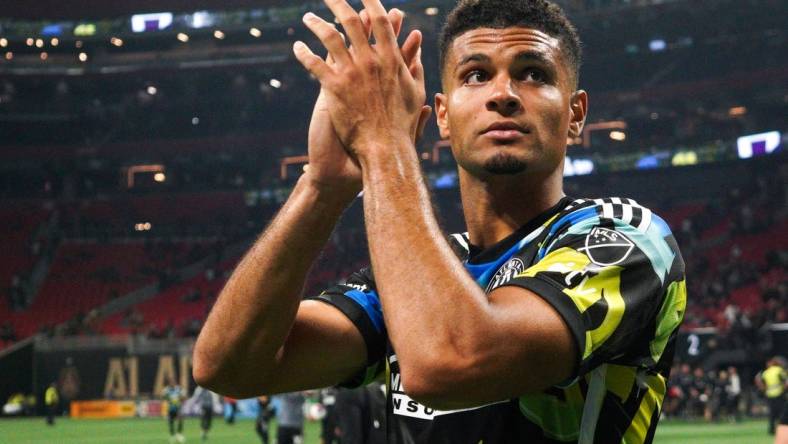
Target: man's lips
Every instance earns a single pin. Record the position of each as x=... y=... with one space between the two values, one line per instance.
x=505 y=131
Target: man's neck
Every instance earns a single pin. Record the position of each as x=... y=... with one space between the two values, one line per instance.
x=495 y=207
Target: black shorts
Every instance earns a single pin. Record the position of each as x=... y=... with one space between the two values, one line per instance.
x=784 y=416
x=288 y=435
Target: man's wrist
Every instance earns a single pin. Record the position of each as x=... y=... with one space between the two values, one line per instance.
x=387 y=153
x=328 y=194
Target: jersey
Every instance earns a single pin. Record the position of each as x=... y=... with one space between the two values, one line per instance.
x=613 y=271
x=50 y=396
x=774 y=378
x=173 y=394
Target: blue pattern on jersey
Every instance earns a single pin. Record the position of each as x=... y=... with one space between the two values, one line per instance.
x=370 y=302
x=664 y=229
x=570 y=219
x=482 y=273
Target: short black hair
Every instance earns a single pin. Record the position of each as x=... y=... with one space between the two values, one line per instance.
x=543 y=15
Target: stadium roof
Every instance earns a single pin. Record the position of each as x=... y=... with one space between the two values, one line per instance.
x=94 y=9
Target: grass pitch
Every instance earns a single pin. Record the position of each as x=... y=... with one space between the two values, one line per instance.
x=154 y=431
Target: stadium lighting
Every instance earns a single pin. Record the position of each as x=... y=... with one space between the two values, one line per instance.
x=44 y=55
x=218 y=34
x=183 y=37
x=9 y=55
x=143 y=226
x=151 y=22
x=737 y=111
x=159 y=177
x=657 y=45
x=83 y=57
x=758 y=144
x=619 y=136
x=152 y=90
x=39 y=43
x=30 y=41
x=55 y=41
x=116 y=41
x=255 y=32
x=275 y=83
x=3 y=42
x=431 y=11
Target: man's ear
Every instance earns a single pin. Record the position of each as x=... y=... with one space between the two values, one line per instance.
x=578 y=107
x=442 y=113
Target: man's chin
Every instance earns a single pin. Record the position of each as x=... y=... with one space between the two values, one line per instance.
x=503 y=164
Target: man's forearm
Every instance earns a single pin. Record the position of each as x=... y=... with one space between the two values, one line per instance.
x=256 y=309
x=427 y=296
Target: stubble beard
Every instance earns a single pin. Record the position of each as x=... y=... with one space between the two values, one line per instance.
x=504 y=164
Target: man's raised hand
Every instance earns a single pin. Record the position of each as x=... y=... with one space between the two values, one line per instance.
x=374 y=94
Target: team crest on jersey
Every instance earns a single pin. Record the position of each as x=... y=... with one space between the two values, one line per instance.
x=505 y=274
x=607 y=247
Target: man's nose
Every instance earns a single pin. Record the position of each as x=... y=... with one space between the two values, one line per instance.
x=504 y=99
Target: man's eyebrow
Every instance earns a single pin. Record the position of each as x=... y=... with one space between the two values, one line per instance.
x=477 y=57
x=525 y=56
x=534 y=56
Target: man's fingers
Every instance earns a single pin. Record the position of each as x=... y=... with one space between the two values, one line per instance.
x=396 y=18
x=381 y=26
x=417 y=69
x=411 y=47
x=351 y=23
x=329 y=37
x=366 y=23
x=312 y=62
x=424 y=117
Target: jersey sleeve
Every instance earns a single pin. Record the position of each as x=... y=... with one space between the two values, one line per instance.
x=617 y=281
x=358 y=299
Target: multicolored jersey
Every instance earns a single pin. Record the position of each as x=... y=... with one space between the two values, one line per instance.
x=173 y=395
x=613 y=271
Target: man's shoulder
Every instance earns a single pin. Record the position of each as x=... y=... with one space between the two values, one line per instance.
x=616 y=213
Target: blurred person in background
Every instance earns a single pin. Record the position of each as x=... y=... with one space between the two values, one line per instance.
x=174 y=396
x=206 y=402
x=362 y=415
x=733 y=391
x=773 y=381
x=290 y=418
x=329 y=423
x=52 y=403
x=264 y=414
x=232 y=405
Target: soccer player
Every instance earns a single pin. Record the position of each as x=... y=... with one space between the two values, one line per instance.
x=264 y=414
x=290 y=418
x=773 y=382
x=206 y=401
x=174 y=396
x=52 y=401
x=552 y=319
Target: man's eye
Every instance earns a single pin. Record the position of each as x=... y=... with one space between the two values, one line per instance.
x=535 y=75
x=475 y=77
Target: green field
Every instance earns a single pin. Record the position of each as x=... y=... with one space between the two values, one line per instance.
x=154 y=431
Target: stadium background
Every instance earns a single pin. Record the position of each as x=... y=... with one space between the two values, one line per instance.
x=145 y=144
